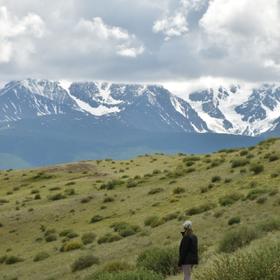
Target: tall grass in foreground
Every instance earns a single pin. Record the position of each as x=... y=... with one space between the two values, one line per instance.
x=259 y=264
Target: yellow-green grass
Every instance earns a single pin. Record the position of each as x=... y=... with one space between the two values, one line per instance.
x=23 y=216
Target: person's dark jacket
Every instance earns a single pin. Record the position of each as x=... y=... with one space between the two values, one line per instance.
x=188 y=250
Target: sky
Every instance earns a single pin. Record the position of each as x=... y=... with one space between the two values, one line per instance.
x=195 y=42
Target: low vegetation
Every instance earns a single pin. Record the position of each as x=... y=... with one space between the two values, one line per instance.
x=121 y=219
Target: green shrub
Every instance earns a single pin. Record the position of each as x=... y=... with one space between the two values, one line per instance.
x=239 y=162
x=86 y=199
x=171 y=216
x=70 y=192
x=178 y=190
x=84 y=262
x=153 y=221
x=3 y=200
x=262 y=200
x=216 y=179
x=244 y=153
x=37 y=197
x=273 y=192
x=236 y=239
x=88 y=238
x=68 y=233
x=162 y=261
x=51 y=237
x=273 y=157
x=131 y=184
x=204 y=189
x=256 y=168
x=219 y=213
x=125 y=229
x=109 y=238
x=228 y=180
x=57 y=196
x=261 y=263
x=111 y=185
x=41 y=256
x=41 y=176
x=108 y=199
x=253 y=194
x=70 y=183
x=96 y=218
x=269 y=225
x=155 y=191
x=13 y=259
x=190 y=170
x=229 y=199
x=70 y=246
x=234 y=220
x=126 y=275
x=200 y=209
x=3 y=259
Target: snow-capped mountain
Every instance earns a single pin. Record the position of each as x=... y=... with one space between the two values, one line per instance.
x=34 y=98
x=236 y=109
x=151 y=108
x=47 y=122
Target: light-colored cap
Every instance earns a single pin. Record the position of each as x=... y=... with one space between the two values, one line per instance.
x=187 y=225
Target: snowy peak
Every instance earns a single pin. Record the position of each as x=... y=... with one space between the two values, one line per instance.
x=234 y=109
x=148 y=107
x=238 y=110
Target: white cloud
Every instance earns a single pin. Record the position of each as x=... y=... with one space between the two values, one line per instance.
x=16 y=35
x=172 y=26
x=175 y=23
x=100 y=36
x=247 y=29
x=56 y=39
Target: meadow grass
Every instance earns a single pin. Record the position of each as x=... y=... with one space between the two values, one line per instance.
x=112 y=211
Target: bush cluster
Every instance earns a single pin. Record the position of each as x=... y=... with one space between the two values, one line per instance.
x=262 y=263
x=237 y=238
x=229 y=199
x=239 y=162
x=109 y=238
x=125 y=229
x=153 y=221
x=200 y=209
x=88 y=238
x=41 y=256
x=84 y=262
x=160 y=260
x=111 y=184
x=71 y=246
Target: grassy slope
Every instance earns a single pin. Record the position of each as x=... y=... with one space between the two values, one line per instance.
x=21 y=225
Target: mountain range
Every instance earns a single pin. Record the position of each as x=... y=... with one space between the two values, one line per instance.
x=44 y=122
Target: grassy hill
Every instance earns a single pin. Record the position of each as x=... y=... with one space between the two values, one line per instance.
x=112 y=211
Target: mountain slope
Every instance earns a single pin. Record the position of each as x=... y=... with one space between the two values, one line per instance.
x=46 y=210
x=50 y=140
x=136 y=106
x=46 y=122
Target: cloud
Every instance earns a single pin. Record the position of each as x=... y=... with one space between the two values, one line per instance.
x=16 y=34
x=140 y=41
x=248 y=30
x=103 y=37
x=175 y=23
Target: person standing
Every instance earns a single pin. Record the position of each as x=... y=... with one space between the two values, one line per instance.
x=188 y=251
